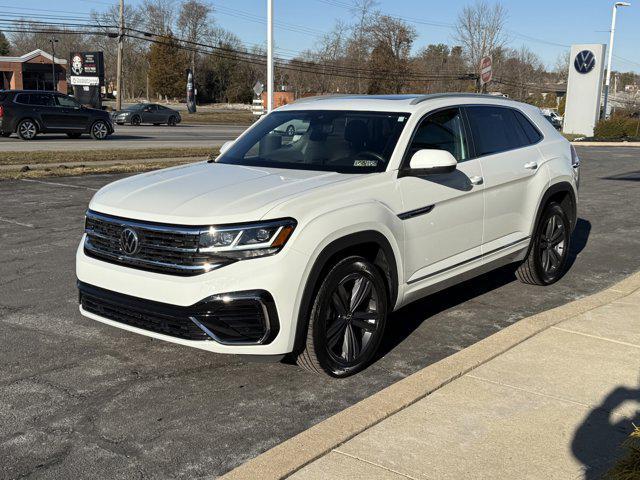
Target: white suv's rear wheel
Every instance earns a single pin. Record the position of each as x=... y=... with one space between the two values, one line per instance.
x=347 y=319
x=546 y=261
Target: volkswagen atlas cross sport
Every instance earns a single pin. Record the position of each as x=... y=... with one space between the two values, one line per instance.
x=301 y=243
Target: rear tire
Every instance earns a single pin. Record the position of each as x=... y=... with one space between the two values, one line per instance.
x=548 y=254
x=27 y=129
x=347 y=319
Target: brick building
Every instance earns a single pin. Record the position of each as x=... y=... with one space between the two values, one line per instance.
x=32 y=71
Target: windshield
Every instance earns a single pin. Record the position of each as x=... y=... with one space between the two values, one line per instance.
x=328 y=140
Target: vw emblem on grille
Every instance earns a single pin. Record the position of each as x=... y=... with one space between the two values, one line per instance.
x=585 y=61
x=129 y=241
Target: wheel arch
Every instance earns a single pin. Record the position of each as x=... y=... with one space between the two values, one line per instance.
x=370 y=244
x=564 y=194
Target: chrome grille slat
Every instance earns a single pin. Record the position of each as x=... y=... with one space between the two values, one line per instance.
x=163 y=249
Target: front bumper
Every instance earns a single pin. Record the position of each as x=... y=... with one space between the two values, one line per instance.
x=239 y=318
x=278 y=278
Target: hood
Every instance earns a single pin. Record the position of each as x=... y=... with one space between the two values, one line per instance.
x=206 y=193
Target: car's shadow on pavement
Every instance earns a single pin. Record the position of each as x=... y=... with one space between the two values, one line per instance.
x=597 y=441
x=404 y=322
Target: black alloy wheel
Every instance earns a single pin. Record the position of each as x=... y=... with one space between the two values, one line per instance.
x=136 y=120
x=27 y=129
x=291 y=131
x=548 y=255
x=172 y=121
x=347 y=319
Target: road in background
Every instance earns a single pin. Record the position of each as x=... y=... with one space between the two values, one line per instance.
x=82 y=399
x=127 y=136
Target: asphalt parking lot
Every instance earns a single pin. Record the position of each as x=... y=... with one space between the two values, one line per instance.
x=79 y=399
x=126 y=136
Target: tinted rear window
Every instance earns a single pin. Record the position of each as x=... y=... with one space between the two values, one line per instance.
x=495 y=130
x=41 y=99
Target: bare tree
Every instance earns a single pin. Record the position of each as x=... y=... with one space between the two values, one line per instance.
x=480 y=30
x=359 y=46
x=160 y=15
x=194 y=24
x=561 y=68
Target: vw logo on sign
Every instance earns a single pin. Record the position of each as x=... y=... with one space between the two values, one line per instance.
x=585 y=61
x=129 y=241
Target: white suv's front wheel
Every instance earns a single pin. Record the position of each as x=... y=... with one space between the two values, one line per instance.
x=347 y=319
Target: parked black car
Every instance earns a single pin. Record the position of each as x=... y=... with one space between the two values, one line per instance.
x=31 y=112
x=147 y=113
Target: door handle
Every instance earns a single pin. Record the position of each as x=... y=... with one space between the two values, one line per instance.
x=531 y=165
x=476 y=180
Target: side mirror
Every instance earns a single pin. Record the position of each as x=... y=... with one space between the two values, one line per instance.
x=225 y=146
x=425 y=162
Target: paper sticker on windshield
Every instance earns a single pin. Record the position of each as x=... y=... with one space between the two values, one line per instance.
x=365 y=163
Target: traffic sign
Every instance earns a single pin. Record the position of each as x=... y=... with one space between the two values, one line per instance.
x=258 y=88
x=486 y=71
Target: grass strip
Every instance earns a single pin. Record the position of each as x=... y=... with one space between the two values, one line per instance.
x=106 y=154
x=56 y=171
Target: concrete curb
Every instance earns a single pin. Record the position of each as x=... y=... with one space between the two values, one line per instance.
x=293 y=454
x=606 y=144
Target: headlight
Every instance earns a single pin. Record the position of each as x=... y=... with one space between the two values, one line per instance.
x=247 y=241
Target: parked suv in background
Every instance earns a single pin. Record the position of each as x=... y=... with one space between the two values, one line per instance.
x=31 y=112
x=302 y=245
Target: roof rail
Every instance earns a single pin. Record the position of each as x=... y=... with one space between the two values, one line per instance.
x=433 y=96
x=322 y=97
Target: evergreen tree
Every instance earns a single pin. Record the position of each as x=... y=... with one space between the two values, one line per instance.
x=167 y=66
x=5 y=47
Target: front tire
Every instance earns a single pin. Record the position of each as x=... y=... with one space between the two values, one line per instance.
x=99 y=130
x=136 y=121
x=548 y=255
x=27 y=129
x=172 y=121
x=347 y=319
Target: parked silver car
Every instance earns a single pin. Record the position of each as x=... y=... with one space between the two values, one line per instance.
x=147 y=113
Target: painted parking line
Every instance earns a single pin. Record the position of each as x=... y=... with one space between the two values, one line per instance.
x=15 y=222
x=58 y=184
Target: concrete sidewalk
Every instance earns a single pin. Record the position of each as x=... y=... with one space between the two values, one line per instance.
x=556 y=406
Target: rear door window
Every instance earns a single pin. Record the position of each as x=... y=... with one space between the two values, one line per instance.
x=495 y=130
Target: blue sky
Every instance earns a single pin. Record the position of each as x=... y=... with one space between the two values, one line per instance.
x=561 y=22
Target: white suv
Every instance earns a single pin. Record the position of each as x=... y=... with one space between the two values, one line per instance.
x=301 y=245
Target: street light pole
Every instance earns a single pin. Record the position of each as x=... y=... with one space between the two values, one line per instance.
x=53 y=42
x=607 y=83
x=119 y=64
x=269 y=55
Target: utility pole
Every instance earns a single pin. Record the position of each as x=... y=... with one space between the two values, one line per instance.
x=53 y=42
x=605 y=113
x=269 y=55
x=119 y=66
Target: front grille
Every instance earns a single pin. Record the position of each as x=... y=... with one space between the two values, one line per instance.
x=241 y=318
x=161 y=248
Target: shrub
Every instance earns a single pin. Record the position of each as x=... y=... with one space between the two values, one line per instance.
x=616 y=128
